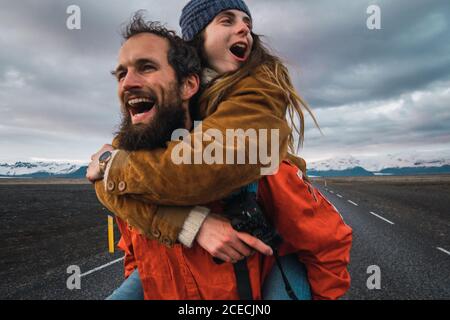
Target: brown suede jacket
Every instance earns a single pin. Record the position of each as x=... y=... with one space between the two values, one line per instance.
x=155 y=195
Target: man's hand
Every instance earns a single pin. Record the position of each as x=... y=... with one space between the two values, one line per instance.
x=218 y=237
x=93 y=171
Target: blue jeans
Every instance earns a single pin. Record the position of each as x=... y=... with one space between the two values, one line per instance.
x=130 y=289
x=273 y=287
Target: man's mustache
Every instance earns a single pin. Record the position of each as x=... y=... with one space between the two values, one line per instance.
x=139 y=93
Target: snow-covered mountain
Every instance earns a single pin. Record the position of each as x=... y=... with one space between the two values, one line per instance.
x=382 y=163
x=398 y=164
x=38 y=168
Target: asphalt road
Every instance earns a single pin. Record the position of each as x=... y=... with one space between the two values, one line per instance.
x=45 y=229
x=401 y=229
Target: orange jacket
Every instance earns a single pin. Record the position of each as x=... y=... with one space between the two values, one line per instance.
x=310 y=226
x=180 y=273
x=308 y=223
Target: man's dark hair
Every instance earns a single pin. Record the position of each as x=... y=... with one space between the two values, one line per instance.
x=181 y=57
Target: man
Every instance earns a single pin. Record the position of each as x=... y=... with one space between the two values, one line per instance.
x=158 y=75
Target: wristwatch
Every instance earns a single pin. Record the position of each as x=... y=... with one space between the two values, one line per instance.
x=103 y=161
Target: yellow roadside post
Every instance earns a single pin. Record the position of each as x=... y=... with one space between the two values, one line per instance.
x=111 y=234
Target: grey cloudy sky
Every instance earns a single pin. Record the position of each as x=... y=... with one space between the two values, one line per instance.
x=372 y=91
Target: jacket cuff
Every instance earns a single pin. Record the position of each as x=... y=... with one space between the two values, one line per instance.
x=192 y=225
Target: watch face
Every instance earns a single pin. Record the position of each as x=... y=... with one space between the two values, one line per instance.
x=105 y=156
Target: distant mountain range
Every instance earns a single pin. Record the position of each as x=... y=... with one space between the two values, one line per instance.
x=43 y=170
x=391 y=164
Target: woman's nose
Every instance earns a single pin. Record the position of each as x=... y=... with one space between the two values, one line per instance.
x=243 y=28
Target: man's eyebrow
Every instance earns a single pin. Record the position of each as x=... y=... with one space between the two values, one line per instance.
x=117 y=70
x=140 y=62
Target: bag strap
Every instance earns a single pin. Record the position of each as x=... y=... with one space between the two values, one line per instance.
x=243 y=280
x=287 y=285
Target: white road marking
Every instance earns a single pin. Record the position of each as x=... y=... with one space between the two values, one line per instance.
x=443 y=250
x=331 y=191
x=339 y=195
x=101 y=267
x=355 y=204
x=376 y=215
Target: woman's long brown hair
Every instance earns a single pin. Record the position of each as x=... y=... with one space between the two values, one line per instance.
x=277 y=76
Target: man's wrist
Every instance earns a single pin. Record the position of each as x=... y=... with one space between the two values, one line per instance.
x=103 y=161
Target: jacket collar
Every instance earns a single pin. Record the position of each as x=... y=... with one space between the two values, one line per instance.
x=208 y=75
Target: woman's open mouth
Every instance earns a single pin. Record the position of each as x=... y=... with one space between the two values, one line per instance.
x=239 y=51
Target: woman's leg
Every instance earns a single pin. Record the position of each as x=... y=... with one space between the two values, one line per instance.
x=274 y=288
x=130 y=289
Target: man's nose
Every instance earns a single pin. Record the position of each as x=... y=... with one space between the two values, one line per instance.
x=131 y=80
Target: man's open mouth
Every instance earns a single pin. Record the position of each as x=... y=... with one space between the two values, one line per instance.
x=139 y=106
x=239 y=50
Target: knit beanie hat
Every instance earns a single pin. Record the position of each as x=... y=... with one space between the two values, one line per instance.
x=197 y=14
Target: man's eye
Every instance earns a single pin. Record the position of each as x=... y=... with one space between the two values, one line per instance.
x=226 y=21
x=148 y=67
x=120 y=75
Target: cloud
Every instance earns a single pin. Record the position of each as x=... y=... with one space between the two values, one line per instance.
x=371 y=90
x=417 y=120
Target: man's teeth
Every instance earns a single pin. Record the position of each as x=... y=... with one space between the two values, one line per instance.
x=138 y=100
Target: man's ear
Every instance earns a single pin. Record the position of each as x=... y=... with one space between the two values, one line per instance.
x=190 y=87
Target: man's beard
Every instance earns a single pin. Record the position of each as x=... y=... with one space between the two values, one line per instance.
x=169 y=116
